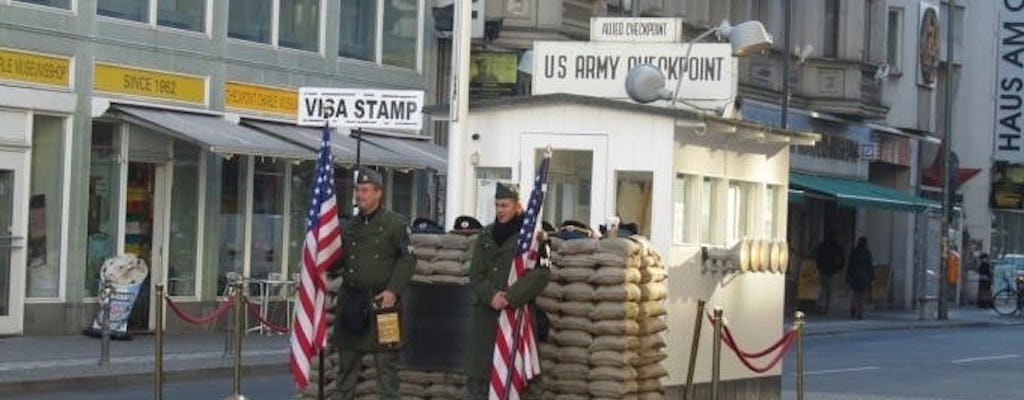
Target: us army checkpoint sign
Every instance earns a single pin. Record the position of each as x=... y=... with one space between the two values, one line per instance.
x=361 y=108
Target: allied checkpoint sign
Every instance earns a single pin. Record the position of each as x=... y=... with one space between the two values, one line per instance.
x=599 y=69
x=361 y=108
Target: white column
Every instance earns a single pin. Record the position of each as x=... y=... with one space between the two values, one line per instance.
x=459 y=102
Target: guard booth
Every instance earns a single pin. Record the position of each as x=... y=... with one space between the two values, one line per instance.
x=690 y=181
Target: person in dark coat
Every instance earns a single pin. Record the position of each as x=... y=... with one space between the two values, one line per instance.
x=829 y=258
x=375 y=268
x=860 y=274
x=984 y=281
x=488 y=275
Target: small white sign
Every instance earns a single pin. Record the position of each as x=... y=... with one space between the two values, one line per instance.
x=650 y=30
x=361 y=108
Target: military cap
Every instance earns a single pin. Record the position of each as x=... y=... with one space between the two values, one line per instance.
x=426 y=225
x=506 y=191
x=370 y=176
x=467 y=225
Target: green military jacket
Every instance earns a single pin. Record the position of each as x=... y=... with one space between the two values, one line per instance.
x=488 y=274
x=376 y=256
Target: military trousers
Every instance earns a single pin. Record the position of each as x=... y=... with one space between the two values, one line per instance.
x=350 y=365
x=476 y=389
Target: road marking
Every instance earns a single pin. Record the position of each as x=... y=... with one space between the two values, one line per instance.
x=976 y=359
x=837 y=371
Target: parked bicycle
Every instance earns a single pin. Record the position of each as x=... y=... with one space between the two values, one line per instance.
x=1010 y=300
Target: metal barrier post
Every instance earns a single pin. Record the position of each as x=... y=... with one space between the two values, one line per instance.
x=799 y=324
x=158 y=339
x=694 y=346
x=105 y=294
x=716 y=354
x=236 y=393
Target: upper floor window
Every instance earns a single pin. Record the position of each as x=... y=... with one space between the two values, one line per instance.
x=381 y=31
x=894 y=38
x=189 y=15
x=297 y=22
x=830 y=44
x=65 y=4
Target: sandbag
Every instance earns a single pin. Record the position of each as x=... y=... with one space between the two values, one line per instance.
x=654 y=395
x=612 y=390
x=575 y=261
x=416 y=377
x=574 y=338
x=617 y=359
x=615 y=327
x=653 y=275
x=651 y=309
x=424 y=267
x=614 y=374
x=651 y=356
x=549 y=305
x=553 y=291
x=623 y=292
x=614 y=343
x=427 y=253
x=570 y=371
x=652 y=325
x=449 y=267
x=614 y=311
x=652 y=371
x=547 y=350
x=410 y=389
x=649 y=385
x=452 y=255
x=653 y=292
x=573 y=323
x=578 y=291
x=442 y=391
x=573 y=355
x=575 y=308
x=619 y=246
x=366 y=387
x=571 y=387
x=574 y=274
x=457 y=242
x=425 y=240
x=615 y=276
x=604 y=259
x=578 y=246
x=454 y=280
x=652 y=342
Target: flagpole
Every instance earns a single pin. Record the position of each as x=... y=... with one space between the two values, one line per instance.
x=323 y=349
x=515 y=345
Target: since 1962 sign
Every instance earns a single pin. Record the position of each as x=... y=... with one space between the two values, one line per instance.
x=361 y=108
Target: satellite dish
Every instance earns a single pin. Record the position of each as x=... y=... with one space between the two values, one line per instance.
x=645 y=83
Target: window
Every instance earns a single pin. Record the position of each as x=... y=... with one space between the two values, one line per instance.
x=298 y=22
x=132 y=10
x=770 y=212
x=381 y=31
x=231 y=218
x=45 y=208
x=401 y=193
x=830 y=45
x=267 y=218
x=680 y=229
x=633 y=199
x=104 y=187
x=189 y=15
x=249 y=20
x=706 y=200
x=894 y=38
x=736 y=215
x=182 y=259
x=568 y=195
x=65 y=4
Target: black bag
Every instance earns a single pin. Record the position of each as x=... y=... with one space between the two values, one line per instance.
x=355 y=312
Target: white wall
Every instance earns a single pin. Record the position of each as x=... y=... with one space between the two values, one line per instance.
x=901 y=92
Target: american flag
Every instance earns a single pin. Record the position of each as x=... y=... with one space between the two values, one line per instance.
x=322 y=247
x=516 y=346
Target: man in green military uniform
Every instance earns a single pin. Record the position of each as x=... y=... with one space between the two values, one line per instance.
x=376 y=265
x=489 y=271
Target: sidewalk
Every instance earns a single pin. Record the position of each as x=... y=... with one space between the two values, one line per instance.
x=960 y=317
x=55 y=362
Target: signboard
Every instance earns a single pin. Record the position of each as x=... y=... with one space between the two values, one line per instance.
x=1009 y=144
x=650 y=30
x=126 y=274
x=361 y=108
x=493 y=73
x=599 y=69
x=928 y=43
x=258 y=98
x=148 y=83
x=1007 y=186
x=35 y=68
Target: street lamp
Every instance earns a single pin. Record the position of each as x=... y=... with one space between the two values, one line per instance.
x=645 y=83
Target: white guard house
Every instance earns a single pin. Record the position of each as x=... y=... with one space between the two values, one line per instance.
x=689 y=180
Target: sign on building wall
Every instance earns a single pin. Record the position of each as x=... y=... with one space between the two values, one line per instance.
x=259 y=98
x=1007 y=186
x=928 y=43
x=599 y=69
x=361 y=108
x=35 y=68
x=1009 y=145
x=149 y=83
x=606 y=29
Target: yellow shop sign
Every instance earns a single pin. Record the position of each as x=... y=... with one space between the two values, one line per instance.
x=258 y=98
x=149 y=83
x=35 y=68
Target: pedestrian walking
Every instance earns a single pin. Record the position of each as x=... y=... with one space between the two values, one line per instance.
x=829 y=258
x=859 y=276
x=984 y=281
x=376 y=266
x=492 y=260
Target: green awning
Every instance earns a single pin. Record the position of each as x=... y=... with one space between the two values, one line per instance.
x=854 y=193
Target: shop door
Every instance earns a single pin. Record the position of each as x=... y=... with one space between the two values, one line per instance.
x=12 y=241
x=145 y=219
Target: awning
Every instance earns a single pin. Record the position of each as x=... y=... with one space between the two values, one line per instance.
x=377 y=150
x=854 y=193
x=215 y=134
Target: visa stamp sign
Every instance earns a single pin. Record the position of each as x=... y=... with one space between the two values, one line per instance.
x=610 y=29
x=600 y=69
x=361 y=108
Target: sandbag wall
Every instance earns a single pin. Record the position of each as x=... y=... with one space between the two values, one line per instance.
x=605 y=306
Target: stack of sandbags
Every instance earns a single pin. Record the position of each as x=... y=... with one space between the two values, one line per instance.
x=442 y=258
x=654 y=291
x=548 y=302
x=413 y=385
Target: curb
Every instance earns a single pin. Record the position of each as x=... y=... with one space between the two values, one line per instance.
x=913 y=326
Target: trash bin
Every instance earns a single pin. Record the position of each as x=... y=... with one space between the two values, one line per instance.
x=969 y=290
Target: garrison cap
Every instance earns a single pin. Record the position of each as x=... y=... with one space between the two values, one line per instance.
x=467 y=225
x=370 y=176
x=506 y=191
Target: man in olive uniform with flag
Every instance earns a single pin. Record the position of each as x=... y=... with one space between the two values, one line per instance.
x=489 y=272
x=375 y=267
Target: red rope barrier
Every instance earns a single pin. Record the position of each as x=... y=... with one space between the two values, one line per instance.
x=762 y=353
x=217 y=313
x=254 y=309
x=785 y=342
x=775 y=361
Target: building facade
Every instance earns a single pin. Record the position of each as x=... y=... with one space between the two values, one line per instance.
x=166 y=129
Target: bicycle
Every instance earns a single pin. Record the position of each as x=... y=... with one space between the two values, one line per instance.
x=1010 y=300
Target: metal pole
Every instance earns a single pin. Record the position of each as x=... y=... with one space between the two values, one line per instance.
x=236 y=393
x=716 y=354
x=358 y=135
x=799 y=323
x=694 y=346
x=105 y=295
x=158 y=339
x=947 y=189
x=320 y=382
x=515 y=349
x=787 y=53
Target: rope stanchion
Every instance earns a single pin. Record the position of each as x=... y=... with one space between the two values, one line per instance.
x=254 y=310
x=784 y=344
x=775 y=346
x=775 y=361
x=217 y=313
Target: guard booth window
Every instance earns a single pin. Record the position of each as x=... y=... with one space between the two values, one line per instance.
x=569 y=179
x=633 y=198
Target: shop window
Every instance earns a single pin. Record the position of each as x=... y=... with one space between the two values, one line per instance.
x=400 y=30
x=231 y=218
x=132 y=10
x=104 y=187
x=189 y=15
x=65 y=4
x=487 y=179
x=45 y=208
x=737 y=197
x=250 y=20
x=300 y=24
x=267 y=218
x=569 y=178
x=633 y=198
x=301 y=192
x=771 y=212
x=381 y=31
x=358 y=29
x=402 y=189
x=182 y=260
